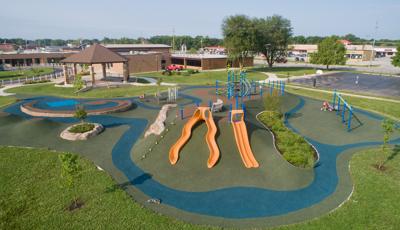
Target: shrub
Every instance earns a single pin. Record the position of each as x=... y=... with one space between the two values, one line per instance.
x=78 y=82
x=190 y=71
x=272 y=103
x=81 y=128
x=167 y=72
x=292 y=146
x=29 y=82
x=80 y=113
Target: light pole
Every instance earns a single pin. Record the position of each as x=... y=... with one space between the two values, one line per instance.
x=54 y=71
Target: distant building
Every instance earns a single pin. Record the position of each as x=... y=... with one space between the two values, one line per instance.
x=360 y=52
x=385 y=51
x=7 y=47
x=301 y=52
x=214 y=50
x=206 y=61
x=141 y=58
x=345 y=42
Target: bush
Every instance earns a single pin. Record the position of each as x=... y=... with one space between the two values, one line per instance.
x=29 y=82
x=292 y=146
x=190 y=71
x=80 y=113
x=272 y=103
x=83 y=73
x=78 y=82
x=82 y=128
x=167 y=73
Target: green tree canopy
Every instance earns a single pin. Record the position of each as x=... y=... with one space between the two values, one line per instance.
x=330 y=52
x=396 y=58
x=272 y=37
x=239 y=37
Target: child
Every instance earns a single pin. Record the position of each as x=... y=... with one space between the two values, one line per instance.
x=326 y=107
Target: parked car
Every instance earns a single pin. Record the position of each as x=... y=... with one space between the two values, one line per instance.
x=281 y=60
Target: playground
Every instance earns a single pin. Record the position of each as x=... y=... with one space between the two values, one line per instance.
x=214 y=162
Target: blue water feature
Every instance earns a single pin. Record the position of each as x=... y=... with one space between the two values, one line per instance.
x=62 y=103
x=233 y=202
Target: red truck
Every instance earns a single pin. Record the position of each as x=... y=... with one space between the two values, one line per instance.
x=174 y=67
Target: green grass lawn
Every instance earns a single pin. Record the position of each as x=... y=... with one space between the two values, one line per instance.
x=4 y=101
x=390 y=109
x=32 y=197
x=4 y=75
x=202 y=78
x=284 y=72
x=373 y=204
x=32 y=202
x=51 y=90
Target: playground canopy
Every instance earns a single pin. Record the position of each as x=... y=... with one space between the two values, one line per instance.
x=95 y=54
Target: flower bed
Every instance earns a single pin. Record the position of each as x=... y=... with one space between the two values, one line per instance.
x=81 y=128
x=293 y=147
x=81 y=131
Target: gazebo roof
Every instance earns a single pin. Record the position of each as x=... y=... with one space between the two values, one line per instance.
x=95 y=54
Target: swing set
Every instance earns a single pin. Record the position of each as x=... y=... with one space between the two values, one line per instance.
x=341 y=102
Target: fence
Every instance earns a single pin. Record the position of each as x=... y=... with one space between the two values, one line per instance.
x=22 y=80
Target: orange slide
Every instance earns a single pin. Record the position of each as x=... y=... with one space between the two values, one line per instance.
x=201 y=113
x=242 y=139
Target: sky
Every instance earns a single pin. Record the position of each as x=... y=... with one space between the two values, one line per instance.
x=75 y=19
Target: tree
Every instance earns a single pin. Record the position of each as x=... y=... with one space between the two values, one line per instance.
x=396 y=58
x=351 y=38
x=70 y=172
x=78 y=82
x=80 y=113
x=330 y=52
x=239 y=37
x=272 y=37
x=388 y=129
x=298 y=40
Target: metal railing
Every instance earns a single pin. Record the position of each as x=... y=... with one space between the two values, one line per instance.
x=23 y=80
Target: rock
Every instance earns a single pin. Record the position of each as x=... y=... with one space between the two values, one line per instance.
x=158 y=126
x=67 y=135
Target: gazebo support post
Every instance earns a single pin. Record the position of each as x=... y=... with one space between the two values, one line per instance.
x=92 y=74
x=103 y=68
x=126 y=72
x=74 y=70
x=66 y=80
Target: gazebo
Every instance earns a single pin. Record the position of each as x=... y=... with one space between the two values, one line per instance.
x=95 y=55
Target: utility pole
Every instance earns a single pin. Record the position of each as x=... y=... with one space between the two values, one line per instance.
x=373 y=44
x=173 y=39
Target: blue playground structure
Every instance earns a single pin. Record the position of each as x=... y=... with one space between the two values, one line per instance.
x=345 y=107
x=237 y=87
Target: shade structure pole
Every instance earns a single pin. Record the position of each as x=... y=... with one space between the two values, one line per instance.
x=126 y=72
x=66 y=80
x=92 y=74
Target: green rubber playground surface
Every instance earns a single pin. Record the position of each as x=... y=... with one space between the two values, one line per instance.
x=303 y=194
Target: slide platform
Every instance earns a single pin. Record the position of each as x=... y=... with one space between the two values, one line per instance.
x=201 y=113
x=242 y=139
